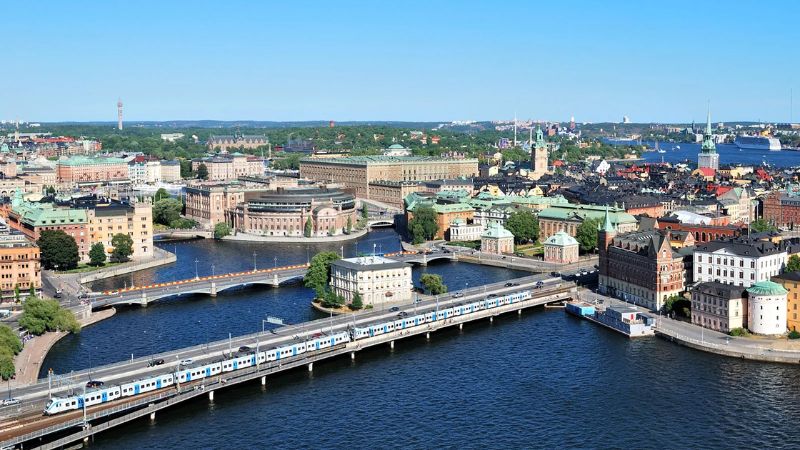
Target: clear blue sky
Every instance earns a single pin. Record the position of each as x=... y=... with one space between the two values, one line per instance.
x=383 y=60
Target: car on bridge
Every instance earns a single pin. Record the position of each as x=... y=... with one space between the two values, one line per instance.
x=155 y=362
x=186 y=362
x=94 y=383
x=244 y=349
x=394 y=309
x=10 y=401
x=458 y=294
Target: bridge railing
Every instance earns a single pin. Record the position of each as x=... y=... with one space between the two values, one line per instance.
x=205 y=278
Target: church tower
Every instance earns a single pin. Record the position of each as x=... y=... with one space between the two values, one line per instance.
x=708 y=156
x=605 y=234
x=539 y=155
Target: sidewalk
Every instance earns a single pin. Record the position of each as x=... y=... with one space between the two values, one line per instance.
x=757 y=348
x=29 y=361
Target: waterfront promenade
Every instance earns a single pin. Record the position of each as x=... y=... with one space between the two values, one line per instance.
x=756 y=348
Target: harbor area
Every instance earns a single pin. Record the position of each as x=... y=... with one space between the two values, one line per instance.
x=624 y=319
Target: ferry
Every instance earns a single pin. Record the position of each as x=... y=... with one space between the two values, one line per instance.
x=758 y=143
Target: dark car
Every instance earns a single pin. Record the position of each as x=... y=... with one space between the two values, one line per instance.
x=509 y=284
x=539 y=284
x=94 y=383
x=402 y=314
x=244 y=349
x=58 y=293
x=394 y=309
x=491 y=296
x=155 y=362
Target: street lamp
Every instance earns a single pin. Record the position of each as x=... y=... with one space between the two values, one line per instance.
x=275 y=260
x=254 y=261
x=196 y=274
x=213 y=272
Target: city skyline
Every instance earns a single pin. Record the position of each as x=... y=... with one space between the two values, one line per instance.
x=415 y=62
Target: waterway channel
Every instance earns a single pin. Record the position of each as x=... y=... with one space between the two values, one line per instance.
x=542 y=380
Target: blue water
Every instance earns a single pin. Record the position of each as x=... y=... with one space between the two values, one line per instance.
x=190 y=320
x=545 y=380
x=542 y=380
x=728 y=154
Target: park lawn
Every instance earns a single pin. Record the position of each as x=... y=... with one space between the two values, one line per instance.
x=529 y=249
x=83 y=268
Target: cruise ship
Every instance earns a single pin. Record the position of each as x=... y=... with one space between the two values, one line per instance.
x=758 y=143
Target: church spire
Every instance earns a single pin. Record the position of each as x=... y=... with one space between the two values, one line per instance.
x=607 y=226
x=708 y=140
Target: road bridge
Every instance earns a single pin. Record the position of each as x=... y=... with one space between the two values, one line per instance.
x=184 y=234
x=215 y=284
x=23 y=424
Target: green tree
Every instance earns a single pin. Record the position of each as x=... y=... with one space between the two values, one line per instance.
x=357 y=303
x=186 y=168
x=7 y=370
x=586 y=234
x=319 y=272
x=417 y=234
x=309 y=228
x=50 y=190
x=761 y=226
x=424 y=216
x=349 y=226
x=123 y=247
x=16 y=293
x=288 y=162
x=523 y=225
x=97 y=254
x=39 y=316
x=161 y=194
x=9 y=340
x=202 y=171
x=433 y=283
x=331 y=300
x=58 y=249
x=31 y=291
x=221 y=230
x=794 y=264
x=167 y=211
x=364 y=212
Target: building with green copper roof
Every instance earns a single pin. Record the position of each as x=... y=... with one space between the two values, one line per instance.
x=767 y=287
x=568 y=217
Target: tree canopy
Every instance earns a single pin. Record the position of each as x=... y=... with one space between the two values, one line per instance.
x=123 y=247
x=523 y=225
x=39 y=316
x=221 y=230
x=423 y=226
x=586 y=234
x=761 y=226
x=433 y=283
x=167 y=211
x=793 y=265
x=58 y=249
x=97 y=254
x=202 y=171
x=319 y=272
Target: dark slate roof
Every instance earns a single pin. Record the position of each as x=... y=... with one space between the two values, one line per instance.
x=723 y=290
x=742 y=246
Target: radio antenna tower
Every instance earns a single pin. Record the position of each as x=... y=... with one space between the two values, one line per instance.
x=119 y=114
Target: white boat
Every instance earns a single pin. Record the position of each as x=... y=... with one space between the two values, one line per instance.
x=758 y=143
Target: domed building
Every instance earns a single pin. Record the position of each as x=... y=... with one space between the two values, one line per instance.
x=561 y=248
x=766 y=308
x=285 y=212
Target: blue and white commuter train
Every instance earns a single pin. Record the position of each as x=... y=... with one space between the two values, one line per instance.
x=184 y=375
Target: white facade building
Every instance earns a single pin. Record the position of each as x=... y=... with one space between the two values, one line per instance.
x=740 y=262
x=460 y=230
x=377 y=279
x=766 y=308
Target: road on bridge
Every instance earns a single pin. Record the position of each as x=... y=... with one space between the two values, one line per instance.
x=34 y=396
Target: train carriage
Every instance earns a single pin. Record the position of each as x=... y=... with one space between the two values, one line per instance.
x=146 y=385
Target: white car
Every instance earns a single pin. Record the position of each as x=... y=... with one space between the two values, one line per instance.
x=10 y=401
x=187 y=362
